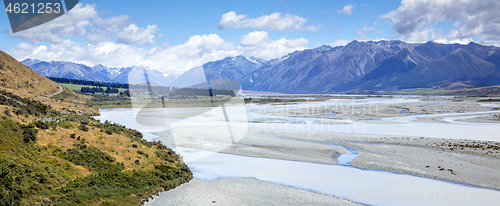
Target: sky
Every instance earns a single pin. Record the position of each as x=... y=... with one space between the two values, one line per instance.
x=174 y=36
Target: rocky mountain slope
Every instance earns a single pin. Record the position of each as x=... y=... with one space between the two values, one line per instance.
x=383 y=65
x=100 y=73
x=380 y=65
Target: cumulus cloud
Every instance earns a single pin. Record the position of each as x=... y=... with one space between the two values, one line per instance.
x=416 y=20
x=340 y=42
x=347 y=9
x=86 y=21
x=254 y=38
x=116 y=42
x=274 y=22
x=73 y=24
x=132 y=34
x=454 y=41
x=196 y=51
x=259 y=44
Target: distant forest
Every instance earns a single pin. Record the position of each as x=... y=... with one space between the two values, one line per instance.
x=168 y=92
x=89 y=83
x=99 y=90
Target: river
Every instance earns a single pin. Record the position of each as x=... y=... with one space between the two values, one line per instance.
x=363 y=186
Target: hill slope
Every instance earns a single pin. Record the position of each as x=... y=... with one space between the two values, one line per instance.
x=54 y=159
x=17 y=78
x=49 y=157
x=14 y=76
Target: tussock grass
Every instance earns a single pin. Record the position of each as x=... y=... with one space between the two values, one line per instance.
x=46 y=157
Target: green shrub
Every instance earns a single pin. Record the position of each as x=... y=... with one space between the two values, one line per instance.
x=91 y=158
x=83 y=128
x=7 y=113
x=41 y=125
x=6 y=191
x=29 y=133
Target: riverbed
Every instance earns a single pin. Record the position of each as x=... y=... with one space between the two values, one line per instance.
x=309 y=146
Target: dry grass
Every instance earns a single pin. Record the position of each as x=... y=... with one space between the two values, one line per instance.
x=29 y=84
x=118 y=146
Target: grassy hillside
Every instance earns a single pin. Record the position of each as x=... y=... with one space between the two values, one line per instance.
x=53 y=153
x=50 y=158
x=16 y=78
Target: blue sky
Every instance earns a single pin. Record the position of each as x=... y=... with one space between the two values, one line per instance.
x=174 y=36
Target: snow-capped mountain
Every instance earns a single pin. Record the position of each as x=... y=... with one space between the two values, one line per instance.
x=432 y=64
x=232 y=68
x=99 y=72
x=314 y=70
x=68 y=70
x=380 y=65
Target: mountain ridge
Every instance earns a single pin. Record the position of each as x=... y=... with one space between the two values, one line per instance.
x=359 y=65
x=99 y=72
x=358 y=70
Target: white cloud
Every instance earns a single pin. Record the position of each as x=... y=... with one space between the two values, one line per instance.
x=362 y=32
x=254 y=38
x=72 y=24
x=107 y=28
x=196 y=51
x=416 y=20
x=259 y=44
x=274 y=22
x=133 y=34
x=115 y=42
x=86 y=21
x=340 y=42
x=347 y=9
x=454 y=41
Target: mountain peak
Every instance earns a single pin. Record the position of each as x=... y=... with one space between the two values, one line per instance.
x=30 y=61
x=353 y=43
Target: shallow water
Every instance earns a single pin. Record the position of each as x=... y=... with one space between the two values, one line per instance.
x=407 y=125
x=366 y=186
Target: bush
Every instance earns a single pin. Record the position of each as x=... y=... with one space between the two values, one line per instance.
x=42 y=125
x=29 y=133
x=6 y=191
x=91 y=158
x=83 y=128
x=7 y=113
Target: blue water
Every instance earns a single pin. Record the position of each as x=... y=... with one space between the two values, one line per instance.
x=340 y=180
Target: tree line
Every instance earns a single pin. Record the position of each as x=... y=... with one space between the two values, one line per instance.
x=99 y=90
x=113 y=88
x=89 y=83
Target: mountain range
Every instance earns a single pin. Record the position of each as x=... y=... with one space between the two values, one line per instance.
x=233 y=68
x=99 y=72
x=370 y=65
